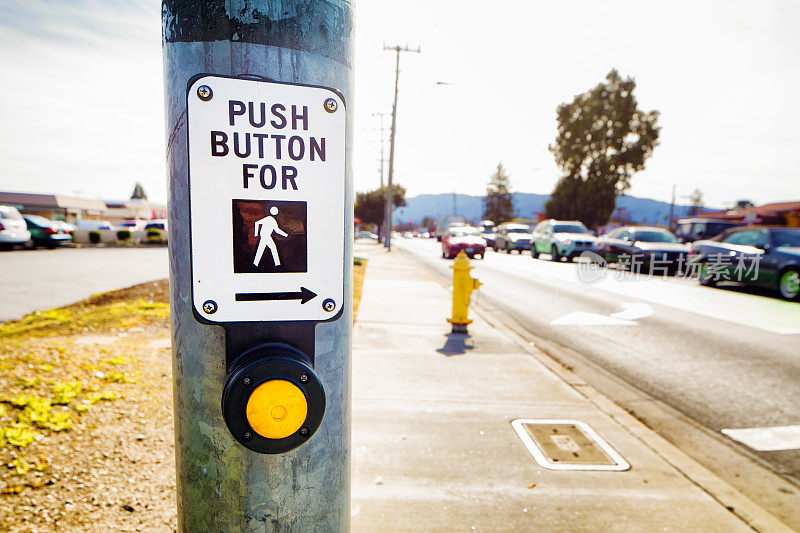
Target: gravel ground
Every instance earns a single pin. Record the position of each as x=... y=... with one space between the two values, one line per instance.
x=114 y=468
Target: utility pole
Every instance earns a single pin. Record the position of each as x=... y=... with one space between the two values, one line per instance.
x=383 y=142
x=281 y=466
x=388 y=216
x=455 y=203
x=672 y=208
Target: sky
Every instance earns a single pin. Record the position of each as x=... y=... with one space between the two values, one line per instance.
x=82 y=107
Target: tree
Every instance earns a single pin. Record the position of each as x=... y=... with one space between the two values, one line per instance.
x=498 y=205
x=603 y=139
x=696 y=199
x=138 y=192
x=371 y=205
x=428 y=222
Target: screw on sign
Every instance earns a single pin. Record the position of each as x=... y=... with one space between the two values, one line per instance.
x=331 y=105
x=204 y=92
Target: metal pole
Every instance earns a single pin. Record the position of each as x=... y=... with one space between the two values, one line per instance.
x=388 y=215
x=672 y=209
x=221 y=485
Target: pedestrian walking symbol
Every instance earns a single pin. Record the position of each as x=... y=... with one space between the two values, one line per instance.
x=264 y=229
x=269 y=236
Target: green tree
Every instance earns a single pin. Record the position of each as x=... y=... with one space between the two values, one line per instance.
x=498 y=205
x=371 y=205
x=428 y=222
x=696 y=199
x=603 y=139
x=138 y=192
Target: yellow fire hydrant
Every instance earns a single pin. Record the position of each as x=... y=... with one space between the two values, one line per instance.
x=463 y=285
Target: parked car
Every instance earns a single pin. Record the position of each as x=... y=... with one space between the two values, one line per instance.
x=446 y=222
x=46 y=232
x=695 y=229
x=489 y=235
x=132 y=225
x=511 y=236
x=561 y=238
x=463 y=238
x=94 y=225
x=65 y=226
x=156 y=223
x=762 y=256
x=643 y=249
x=13 y=230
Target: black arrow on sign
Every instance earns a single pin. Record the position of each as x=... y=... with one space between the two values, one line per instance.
x=304 y=295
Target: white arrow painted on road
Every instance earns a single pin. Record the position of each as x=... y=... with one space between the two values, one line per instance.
x=626 y=317
x=634 y=311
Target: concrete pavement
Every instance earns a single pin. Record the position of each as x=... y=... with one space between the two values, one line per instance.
x=434 y=449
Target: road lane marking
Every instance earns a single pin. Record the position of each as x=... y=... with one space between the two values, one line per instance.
x=767 y=439
x=582 y=318
x=634 y=311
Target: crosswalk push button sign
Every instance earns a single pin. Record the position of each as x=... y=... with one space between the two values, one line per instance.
x=267 y=197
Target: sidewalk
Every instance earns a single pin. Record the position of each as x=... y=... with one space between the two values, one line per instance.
x=433 y=446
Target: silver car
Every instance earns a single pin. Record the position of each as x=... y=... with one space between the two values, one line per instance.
x=13 y=229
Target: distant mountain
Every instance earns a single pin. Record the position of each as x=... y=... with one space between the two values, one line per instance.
x=641 y=210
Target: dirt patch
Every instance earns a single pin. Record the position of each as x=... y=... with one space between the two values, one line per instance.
x=86 y=422
x=86 y=434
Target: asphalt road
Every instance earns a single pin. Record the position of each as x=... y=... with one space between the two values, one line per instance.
x=40 y=279
x=727 y=358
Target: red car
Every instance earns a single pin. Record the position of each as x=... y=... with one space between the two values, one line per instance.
x=463 y=238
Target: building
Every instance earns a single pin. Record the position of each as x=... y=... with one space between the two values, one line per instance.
x=777 y=214
x=133 y=209
x=55 y=206
x=71 y=208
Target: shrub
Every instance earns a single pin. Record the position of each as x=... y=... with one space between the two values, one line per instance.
x=153 y=234
x=94 y=237
x=123 y=235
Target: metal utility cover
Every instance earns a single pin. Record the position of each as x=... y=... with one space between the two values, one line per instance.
x=568 y=445
x=266 y=197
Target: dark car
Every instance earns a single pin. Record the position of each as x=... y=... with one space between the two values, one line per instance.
x=510 y=236
x=762 y=256
x=45 y=232
x=695 y=229
x=463 y=238
x=643 y=249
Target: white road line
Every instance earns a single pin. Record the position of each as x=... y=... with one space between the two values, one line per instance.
x=582 y=318
x=767 y=439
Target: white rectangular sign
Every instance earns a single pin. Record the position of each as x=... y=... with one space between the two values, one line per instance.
x=266 y=199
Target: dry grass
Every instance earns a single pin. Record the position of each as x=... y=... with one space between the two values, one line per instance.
x=85 y=409
x=359 y=269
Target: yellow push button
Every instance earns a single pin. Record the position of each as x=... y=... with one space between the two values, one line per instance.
x=276 y=409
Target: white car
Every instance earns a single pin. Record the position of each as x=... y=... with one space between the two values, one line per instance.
x=94 y=225
x=13 y=229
